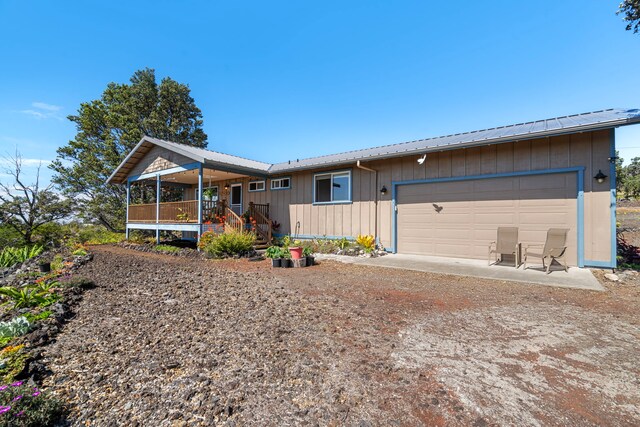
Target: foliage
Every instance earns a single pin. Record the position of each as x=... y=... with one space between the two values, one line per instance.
x=205 y=239
x=631 y=11
x=79 y=252
x=343 y=243
x=22 y=405
x=69 y=281
x=167 y=248
x=230 y=244
x=99 y=235
x=275 y=225
x=9 y=237
x=107 y=130
x=15 y=327
x=30 y=296
x=27 y=207
x=11 y=256
x=33 y=318
x=12 y=362
x=57 y=264
x=307 y=251
x=274 y=252
x=368 y=242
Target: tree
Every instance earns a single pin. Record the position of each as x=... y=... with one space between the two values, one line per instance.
x=621 y=174
x=27 y=208
x=631 y=11
x=107 y=130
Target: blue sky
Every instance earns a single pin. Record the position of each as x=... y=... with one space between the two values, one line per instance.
x=284 y=80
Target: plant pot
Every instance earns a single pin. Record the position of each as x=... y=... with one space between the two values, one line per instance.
x=310 y=260
x=285 y=263
x=275 y=262
x=296 y=252
x=45 y=267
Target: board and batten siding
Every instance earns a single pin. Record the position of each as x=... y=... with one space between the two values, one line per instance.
x=590 y=150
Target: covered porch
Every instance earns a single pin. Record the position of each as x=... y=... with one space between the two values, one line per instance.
x=193 y=199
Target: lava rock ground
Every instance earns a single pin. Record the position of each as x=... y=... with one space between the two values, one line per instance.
x=169 y=341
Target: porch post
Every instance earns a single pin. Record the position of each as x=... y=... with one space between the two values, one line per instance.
x=199 y=203
x=126 y=228
x=157 y=208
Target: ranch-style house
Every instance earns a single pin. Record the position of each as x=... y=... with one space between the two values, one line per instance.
x=442 y=196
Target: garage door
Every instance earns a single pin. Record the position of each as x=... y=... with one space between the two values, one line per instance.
x=459 y=219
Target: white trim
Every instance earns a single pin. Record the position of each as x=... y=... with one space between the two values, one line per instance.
x=279 y=180
x=331 y=175
x=264 y=186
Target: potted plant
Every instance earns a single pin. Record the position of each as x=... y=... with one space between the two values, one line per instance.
x=285 y=261
x=296 y=250
x=307 y=253
x=275 y=253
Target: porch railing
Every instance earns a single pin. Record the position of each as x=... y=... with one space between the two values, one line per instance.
x=232 y=220
x=142 y=213
x=262 y=225
x=186 y=211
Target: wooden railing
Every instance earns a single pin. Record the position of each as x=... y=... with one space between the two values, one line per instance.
x=186 y=211
x=263 y=226
x=233 y=221
x=142 y=213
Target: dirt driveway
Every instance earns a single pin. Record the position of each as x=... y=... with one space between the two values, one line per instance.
x=170 y=341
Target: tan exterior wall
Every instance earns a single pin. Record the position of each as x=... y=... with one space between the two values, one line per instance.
x=158 y=159
x=588 y=149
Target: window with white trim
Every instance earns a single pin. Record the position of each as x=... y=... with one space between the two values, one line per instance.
x=280 y=183
x=332 y=187
x=256 y=186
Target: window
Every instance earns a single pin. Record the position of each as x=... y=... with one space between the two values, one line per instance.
x=208 y=193
x=256 y=186
x=280 y=183
x=333 y=187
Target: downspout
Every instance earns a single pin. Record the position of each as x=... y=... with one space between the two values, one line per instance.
x=375 y=200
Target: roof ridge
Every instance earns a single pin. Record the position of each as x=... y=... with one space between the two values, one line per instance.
x=450 y=135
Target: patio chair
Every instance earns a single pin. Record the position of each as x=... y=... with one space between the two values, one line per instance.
x=554 y=248
x=506 y=243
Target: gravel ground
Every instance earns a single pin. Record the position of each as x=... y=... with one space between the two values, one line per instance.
x=164 y=341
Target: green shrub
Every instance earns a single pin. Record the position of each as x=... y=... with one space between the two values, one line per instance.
x=167 y=248
x=98 y=235
x=10 y=256
x=29 y=296
x=274 y=252
x=230 y=244
x=22 y=405
x=12 y=362
x=57 y=263
x=15 y=327
x=33 y=318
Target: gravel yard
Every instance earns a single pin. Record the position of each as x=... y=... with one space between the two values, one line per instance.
x=169 y=341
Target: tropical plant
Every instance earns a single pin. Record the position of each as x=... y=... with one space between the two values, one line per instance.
x=10 y=256
x=368 y=242
x=307 y=251
x=273 y=252
x=28 y=296
x=15 y=327
x=342 y=243
x=23 y=405
x=230 y=244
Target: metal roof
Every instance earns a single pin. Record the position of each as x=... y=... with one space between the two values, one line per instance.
x=595 y=120
x=542 y=128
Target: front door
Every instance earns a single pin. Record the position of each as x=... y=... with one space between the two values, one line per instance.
x=236 y=198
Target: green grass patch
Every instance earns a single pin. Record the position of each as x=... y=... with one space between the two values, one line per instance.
x=167 y=248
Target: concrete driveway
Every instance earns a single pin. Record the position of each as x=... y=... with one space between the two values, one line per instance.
x=575 y=278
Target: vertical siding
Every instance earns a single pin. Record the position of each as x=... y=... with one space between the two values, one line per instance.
x=589 y=149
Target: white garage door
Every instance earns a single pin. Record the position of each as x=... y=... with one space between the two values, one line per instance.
x=459 y=219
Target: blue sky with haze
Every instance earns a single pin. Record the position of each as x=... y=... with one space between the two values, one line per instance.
x=285 y=80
